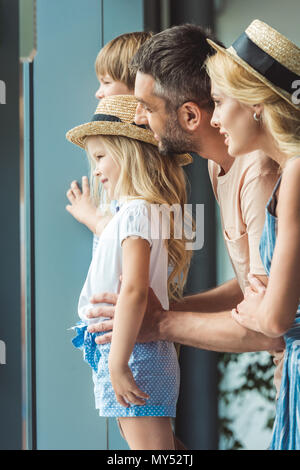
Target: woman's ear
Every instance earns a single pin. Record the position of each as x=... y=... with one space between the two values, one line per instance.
x=258 y=109
x=189 y=116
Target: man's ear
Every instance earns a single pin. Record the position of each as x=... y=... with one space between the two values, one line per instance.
x=189 y=116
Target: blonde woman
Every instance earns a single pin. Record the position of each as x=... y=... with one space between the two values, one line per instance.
x=254 y=87
x=136 y=382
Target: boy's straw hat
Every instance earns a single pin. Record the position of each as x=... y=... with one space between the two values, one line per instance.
x=269 y=56
x=115 y=116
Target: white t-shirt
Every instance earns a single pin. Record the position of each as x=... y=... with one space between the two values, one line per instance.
x=135 y=217
x=113 y=206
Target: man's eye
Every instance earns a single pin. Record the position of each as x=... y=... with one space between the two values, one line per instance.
x=145 y=108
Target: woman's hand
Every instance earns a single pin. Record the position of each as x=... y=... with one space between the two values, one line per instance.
x=125 y=388
x=246 y=313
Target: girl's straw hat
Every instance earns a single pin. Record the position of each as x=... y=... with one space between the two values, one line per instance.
x=115 y=116
x=270 y=57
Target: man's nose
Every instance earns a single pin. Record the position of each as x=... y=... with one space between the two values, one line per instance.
x=140 y=115
x=99 y=93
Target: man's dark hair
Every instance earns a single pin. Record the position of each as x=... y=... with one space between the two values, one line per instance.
x=175 y=59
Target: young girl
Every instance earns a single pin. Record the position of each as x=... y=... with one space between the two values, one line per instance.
x=256 y=107
x=138 y=383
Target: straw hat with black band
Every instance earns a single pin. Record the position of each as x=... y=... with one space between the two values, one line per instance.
x=115 y=116
x=270 y=57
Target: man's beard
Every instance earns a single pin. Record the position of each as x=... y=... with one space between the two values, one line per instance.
x=175 y=140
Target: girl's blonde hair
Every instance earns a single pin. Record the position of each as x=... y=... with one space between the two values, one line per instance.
x=115 y=57
x=281 y=118
x=147 y=175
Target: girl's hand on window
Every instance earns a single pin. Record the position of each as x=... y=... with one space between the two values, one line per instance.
x=82 y=207
x=126 y=390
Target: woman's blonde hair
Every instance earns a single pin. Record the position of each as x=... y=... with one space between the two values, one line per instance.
x=115 y=57
x=281 y=118
x=145 y=174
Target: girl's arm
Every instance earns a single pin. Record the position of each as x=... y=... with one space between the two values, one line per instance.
x=274 y=311
x=129 y=313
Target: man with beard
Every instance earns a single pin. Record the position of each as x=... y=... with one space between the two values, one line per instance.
x=173 y=91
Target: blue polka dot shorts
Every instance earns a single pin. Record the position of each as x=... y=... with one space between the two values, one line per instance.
x=154 y=367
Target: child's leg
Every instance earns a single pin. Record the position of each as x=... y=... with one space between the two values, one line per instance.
x=148 y=432
x=179 y=445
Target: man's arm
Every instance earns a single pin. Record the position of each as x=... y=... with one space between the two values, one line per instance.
x=214 y=329
x=218 y=299
x=211 y=331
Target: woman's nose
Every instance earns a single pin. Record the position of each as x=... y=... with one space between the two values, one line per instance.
x=214 y=122
x=140 y=115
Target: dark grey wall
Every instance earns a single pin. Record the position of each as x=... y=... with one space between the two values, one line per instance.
x=10 y=317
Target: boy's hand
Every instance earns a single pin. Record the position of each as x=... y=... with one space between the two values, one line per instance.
x=126 y=390
x=82 y=207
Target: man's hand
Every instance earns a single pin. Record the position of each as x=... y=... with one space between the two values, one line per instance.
x=150 y=327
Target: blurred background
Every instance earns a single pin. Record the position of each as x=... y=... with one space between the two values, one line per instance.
x=47 y=85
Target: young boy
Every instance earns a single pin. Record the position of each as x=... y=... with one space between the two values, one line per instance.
x=115 y=78
x=112 y=64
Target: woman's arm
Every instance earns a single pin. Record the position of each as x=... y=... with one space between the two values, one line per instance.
x=273 y=311
x=129 y=314
x=279 y=306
